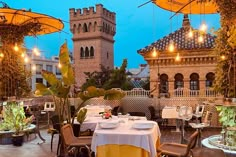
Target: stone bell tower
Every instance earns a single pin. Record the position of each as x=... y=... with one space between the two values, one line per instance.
x=93 y=39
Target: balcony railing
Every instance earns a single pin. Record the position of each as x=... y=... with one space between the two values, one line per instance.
x=180 y=92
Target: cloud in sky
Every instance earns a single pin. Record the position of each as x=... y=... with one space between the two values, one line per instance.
x=135 y=27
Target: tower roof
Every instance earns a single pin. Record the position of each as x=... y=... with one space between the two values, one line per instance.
x=181 y=40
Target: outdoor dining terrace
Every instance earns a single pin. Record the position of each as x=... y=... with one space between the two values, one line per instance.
x=165 y=128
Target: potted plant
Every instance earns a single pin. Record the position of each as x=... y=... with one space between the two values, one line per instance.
x=14 y=118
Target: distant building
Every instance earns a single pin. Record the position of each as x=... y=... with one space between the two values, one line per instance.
x=195 y=70
x=93 y=32
x=140 y=76
x=40 y=63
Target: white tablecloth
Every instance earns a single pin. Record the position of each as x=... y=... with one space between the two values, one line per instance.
x=93 y=110
x=124 y=134
x=169 y=113
x=91 y=122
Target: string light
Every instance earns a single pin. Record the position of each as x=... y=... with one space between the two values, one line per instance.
x=177 y=58
x=200 y=39
x=36 y=51
x=1 y=55
x=59 y=65
x=190 y=33
x=23 y=55
x=154 y=53
x=34 y=67
x=171 y=47
x=16 y=48
x=222 y=57
x=26 y=59
x=203 y=27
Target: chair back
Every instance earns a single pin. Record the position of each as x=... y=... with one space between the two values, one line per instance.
x=152 y=111
x=192 y=142
x=207 y=118
x=114 y=111
x=207 y=152
x=139 y=114
x=55 y=122
x=67 y=134
x=49 y=106
x=200 y=109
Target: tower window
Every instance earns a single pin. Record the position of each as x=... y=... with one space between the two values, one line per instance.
x=86 y=52
x=85 y=28
x=82 y=55
x=91 y=52
x=107 y=55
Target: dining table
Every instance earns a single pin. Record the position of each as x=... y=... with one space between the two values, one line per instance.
x=171 y=112
x=128 y=138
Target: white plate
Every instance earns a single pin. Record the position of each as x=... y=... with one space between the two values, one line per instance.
x=143 y=126
x=108 y=125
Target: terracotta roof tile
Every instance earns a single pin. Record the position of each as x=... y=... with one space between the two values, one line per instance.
x=182 y=41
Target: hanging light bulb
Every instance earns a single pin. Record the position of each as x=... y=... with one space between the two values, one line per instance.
x=59 y=65
x=171 y=47
x=1 y=55
x=222 y=57
x=203 y=27
x=23 y=55
x=190 y=33
x=36 y=51
x=34 y=67
x=26 y=59
x=154 y=53
x=16 y=48
x=177 y=58
x=200 y=39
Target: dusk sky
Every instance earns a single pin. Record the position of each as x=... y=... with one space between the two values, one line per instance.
x=135 y=27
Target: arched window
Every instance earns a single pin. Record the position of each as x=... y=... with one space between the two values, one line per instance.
x=164 y=83
x=79 y=28
x=95 y=26
x=107 y=55
x=91 y=51
x=103 y=26
x=179 y=81
x=85 y=28
x=194 y=81
x=82 y=55
x=74 y=28
x=90 y=27
x=86 y=52
x=209 y=79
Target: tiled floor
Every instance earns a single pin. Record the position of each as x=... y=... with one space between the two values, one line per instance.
x=35 y=148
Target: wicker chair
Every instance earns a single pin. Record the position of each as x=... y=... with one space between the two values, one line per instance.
x=70 y=141
x=56 y=129
x=176 y=149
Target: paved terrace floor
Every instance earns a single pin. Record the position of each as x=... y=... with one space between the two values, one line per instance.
x=35 y=147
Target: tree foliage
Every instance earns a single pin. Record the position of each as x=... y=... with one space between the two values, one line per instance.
x=97 y=79
x=13 y=76
x=118 y=78
x=226 y=46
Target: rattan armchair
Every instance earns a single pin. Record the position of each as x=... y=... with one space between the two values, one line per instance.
x=70 y=141
x=176 y=149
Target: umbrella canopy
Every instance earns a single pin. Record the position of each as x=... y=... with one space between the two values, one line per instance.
x=188 y=6
x=15 y=24
x=31 y=22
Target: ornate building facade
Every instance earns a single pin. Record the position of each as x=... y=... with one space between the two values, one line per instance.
x=193 y=73
x=93 y=40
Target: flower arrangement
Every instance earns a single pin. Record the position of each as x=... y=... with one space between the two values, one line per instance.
x=107 y=115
